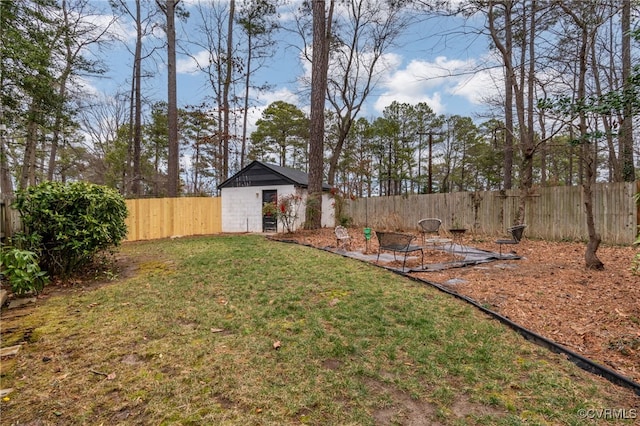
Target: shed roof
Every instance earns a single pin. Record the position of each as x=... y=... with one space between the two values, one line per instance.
x=258 y=173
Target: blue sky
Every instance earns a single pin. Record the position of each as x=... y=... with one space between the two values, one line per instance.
x=426 y=68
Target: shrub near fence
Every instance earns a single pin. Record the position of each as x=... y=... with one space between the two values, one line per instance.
x=553 y=213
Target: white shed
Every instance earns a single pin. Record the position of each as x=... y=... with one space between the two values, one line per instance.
x=244 y=194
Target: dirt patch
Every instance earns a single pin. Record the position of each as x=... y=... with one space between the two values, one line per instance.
x=548 y=290
x=398 y=407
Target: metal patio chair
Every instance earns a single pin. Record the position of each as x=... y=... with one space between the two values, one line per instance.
x=342 y=237
x=516 y=235
x=430 y=226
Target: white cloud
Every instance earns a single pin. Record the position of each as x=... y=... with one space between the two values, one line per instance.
x=434 y=101
x=444 y=84
x=478 y=87
x=191 y=64
x=122 y=29
x=86 y=86
x=282 y=94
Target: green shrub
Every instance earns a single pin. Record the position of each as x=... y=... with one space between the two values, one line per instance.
x=21 y=269
x=68 y=224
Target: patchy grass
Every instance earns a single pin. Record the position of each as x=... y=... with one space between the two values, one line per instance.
x=243 y=330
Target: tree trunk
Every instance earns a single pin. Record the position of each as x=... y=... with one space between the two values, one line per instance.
x=343 y=131
x=225 y=95
x=127 y=170
x=506 y=50
x=588 y=156
x=590 y=257
x=28 y=175
x=319 y=67
x=137 y=110
x=173 y=169
x=626 y=127
x=55 y=141
x=245 y=110
x=525 y=117
x=6 y=186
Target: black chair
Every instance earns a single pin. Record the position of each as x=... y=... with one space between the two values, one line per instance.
x=516 y=235
x=397 y=242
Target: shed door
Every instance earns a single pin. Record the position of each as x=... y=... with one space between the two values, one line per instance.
x=269 y=222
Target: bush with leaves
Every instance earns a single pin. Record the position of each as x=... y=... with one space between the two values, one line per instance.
x=67 y=225
x=21 y=270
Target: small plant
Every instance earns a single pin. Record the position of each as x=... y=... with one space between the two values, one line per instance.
x=21 y=269
x=285 y=210
x=339 y=204
x=270 y=209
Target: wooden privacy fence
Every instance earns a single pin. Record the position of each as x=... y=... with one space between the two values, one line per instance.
x=151 y=218
x=9 y=219
x=553 y=213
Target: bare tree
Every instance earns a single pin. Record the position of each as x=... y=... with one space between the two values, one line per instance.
x=257 y=20
x=77 y=35
x=519 y=82
x=362 y=33
x=368 y=29
x=582 y=16
x=220 y=67
x=144 y=25
x=506 y=51
x=101 y=119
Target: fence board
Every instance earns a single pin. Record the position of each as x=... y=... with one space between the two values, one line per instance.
x=10 y=222
x=152 y=218
x=553 y=213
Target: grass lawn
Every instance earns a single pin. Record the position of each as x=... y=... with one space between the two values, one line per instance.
x=243 y=330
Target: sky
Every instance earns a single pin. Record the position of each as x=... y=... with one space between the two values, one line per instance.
x=434 y=63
